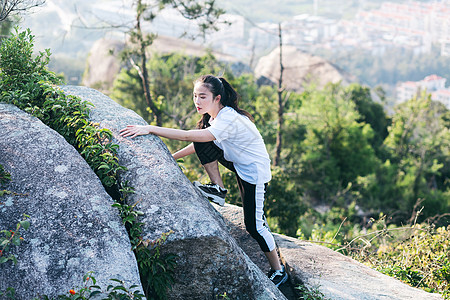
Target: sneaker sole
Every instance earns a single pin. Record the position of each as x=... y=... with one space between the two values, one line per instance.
x=285 y=278
x=216 y=199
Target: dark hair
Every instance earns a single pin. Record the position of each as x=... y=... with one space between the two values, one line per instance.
x=228 y=96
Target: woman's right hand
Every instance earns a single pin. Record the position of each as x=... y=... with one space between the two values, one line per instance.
x=135 y=130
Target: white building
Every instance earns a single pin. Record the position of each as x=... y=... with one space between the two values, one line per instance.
x=433 y=84
x=442 y=96
x=406 y=91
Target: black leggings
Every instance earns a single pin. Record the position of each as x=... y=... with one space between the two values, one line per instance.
x=252 y=196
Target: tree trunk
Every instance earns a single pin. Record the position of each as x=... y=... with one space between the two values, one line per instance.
x=279 y=141
x=144 y=72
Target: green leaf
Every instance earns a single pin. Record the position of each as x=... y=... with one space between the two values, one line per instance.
x=25 y=224
x=94 y=293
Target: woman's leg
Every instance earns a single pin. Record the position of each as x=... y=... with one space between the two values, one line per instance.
x=253 y=203
x=212 y=169
x=209 y=155
x=274 y=260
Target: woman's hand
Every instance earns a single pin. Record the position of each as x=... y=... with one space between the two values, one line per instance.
x=135 y=130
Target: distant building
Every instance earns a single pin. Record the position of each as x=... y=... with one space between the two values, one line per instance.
x=412 y=25
x=442 y=96
x=406 y=91
x=433 y=84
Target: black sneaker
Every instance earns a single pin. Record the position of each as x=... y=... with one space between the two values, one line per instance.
x=278 y=277
x=212 y=191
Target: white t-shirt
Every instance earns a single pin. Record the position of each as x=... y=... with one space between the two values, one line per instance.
x=242 y=145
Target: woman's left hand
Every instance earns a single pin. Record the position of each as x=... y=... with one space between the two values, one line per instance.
x=135 y=130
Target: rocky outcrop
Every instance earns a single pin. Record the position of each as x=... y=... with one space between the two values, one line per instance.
x=73 y=229
x=323 y=270
x=300 y=69
x=210 y=262
x=103 y=64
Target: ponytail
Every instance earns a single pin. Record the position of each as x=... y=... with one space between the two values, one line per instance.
x=228 y=96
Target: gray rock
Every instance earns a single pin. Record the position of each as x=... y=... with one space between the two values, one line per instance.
x=210 y=262
x=336 y=276
x=73 y=229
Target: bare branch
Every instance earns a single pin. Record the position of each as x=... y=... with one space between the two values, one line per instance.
x=9 y=7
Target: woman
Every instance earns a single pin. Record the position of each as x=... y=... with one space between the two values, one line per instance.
x=226 y=134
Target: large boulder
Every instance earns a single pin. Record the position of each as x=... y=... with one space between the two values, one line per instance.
x=323 y=270
x=103 y=64
x=73 y=229
x=210 y=262
x=300 y=69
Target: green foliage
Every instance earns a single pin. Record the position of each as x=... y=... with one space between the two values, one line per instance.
x=90 y=290
x=20 y=72
x=417 y=255
x=5 y=176
x=419 y=164
x=9 y=293
x=12 y=238
x=156 y=270
x=370 y=112
x=336 y=148
x=99 y=152
x=310 y=294
x=284 y=203
x=6 y=26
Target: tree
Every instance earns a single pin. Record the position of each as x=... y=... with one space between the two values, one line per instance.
x=370 y=112
x=336 y=149
x=419 y=143
x=136 y=54
x=10 y=7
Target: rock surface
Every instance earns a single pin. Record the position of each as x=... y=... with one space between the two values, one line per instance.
x=318 y=268
x=300 y=69
x=210 y=262
x=73 y=229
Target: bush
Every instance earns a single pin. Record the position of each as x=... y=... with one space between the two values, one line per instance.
x=421 y=259
x=418 y=254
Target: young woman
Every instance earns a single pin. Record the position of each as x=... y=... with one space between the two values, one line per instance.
x=226 y=134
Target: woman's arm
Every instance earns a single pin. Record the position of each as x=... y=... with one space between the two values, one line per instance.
x=188 y=150
x=198 y=135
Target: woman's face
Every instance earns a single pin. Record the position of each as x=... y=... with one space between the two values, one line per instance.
x=204 y=100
